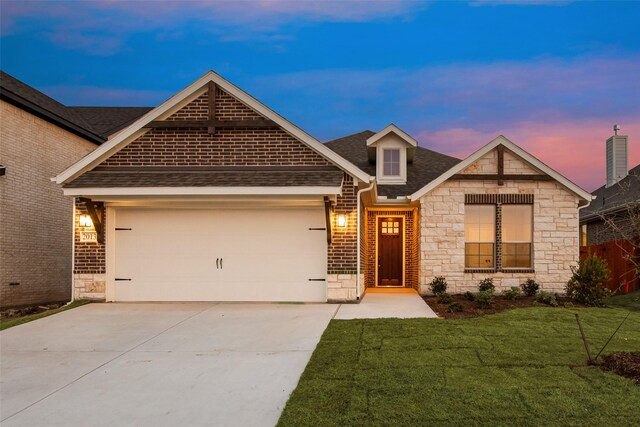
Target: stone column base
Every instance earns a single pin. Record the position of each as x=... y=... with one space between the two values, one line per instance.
x=342 y=288
x=89 y=286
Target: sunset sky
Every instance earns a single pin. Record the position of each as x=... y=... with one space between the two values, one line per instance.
x=553 y=77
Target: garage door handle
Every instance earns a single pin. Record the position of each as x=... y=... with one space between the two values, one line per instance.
x=217 y=263
x=221 y=263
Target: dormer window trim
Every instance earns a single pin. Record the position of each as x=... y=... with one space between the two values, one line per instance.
x=391 y=140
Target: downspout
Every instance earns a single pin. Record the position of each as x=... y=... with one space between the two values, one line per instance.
x=372 y=181
x=579 y=209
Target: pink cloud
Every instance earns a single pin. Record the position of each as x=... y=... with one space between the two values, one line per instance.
x=575 y=148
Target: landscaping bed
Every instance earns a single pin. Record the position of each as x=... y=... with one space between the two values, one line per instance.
x=623 y=363
x=17 y=316
x=500 y=303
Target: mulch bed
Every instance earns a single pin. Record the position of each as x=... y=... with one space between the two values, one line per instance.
x=472 y=309
x=12 y=313
x=626 y=364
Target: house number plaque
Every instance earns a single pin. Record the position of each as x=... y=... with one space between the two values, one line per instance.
x=89 y=236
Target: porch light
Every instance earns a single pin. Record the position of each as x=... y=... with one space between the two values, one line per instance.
x=342 y=220
x=85 y=221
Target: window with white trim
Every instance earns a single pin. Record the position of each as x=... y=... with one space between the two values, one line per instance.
x=517 y=236
x=391 y=162
x=479 y=236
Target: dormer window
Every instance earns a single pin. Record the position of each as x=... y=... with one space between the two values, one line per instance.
x=391 y=150
x=391 y=165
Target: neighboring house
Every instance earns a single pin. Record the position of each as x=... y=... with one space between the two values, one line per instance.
x=213 y=196
x=38 y=138
x=610 y=224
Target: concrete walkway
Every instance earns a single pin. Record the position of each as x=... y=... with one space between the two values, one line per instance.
x=190 y=364
x=377 y=303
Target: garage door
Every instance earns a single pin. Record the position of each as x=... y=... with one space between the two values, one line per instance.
x=220 y=255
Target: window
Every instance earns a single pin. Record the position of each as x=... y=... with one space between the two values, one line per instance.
x=479 y=236
x=391 y=162
x=390 y=227
x=583 y=235
x=516 y=236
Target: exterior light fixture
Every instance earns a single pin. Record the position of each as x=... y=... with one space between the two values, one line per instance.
x=85 y=221
x=341 y=220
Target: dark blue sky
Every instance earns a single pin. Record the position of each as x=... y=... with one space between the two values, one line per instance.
x=551 y=76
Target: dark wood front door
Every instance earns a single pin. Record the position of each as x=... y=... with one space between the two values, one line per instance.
x=390 y=251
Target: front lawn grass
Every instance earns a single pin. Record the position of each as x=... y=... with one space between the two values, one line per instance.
x=9 y=323
x=523 y=367
x=630 y=301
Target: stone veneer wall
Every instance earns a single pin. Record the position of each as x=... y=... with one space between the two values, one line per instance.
x=35 y=217
x=555 y=234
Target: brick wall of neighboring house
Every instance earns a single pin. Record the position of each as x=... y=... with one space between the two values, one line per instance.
x=599 y=232
x=227 y=147
x=411 y=244
x=555 y=233
x=35 y=218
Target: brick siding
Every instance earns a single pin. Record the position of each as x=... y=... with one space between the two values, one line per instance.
x=227 y=147
x=89 y=257
x=35 y=217
x=342 y=255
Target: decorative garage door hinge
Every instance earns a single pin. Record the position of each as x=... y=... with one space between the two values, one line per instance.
x=317 y=280
x=317 y=228
x=122 y=229
x=118 y=279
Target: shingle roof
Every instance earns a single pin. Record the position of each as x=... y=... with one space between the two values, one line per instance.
x=93 y=123
x=108 y=120
x=615 y=197
x=427 y=165
x=18 y=93
x=208 y=177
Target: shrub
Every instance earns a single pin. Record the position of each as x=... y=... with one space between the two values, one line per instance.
x=547 y=298
x=469 y=296
x=484 y=298
x=444 y=298
x=438 y=285
x=512 y=293
x=486 y=285
x=530 y=287
x=455 y=307
x=586 y=283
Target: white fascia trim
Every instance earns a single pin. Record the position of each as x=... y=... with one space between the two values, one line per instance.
x=395 y=129
x=198 y=87
x=515 y=150
x=208 y=191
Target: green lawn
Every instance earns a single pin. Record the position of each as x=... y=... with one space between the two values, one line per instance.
x=523 y=367
x=9 y=323
x=629 y=301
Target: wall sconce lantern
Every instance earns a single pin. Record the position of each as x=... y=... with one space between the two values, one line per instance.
x=85 y=221
x=341 y=221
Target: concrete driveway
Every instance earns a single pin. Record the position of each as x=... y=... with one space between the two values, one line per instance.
x=158 y=364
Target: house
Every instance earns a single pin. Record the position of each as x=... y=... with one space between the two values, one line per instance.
x=213 y=196
x=610 y=225
x=38 y=138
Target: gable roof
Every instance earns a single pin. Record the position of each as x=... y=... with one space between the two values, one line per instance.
x=392 y=129
x=182 y=98
x=501 y=140
x=427 y=165
x=37 y=103
x=108 y=120
x=614 y=198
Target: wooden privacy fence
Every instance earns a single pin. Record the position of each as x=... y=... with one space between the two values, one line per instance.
x=623 y=278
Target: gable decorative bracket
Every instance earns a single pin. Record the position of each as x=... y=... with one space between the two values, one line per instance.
x=95 y=209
